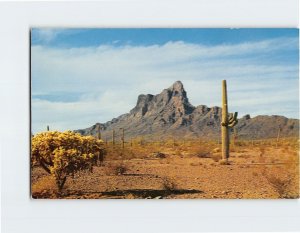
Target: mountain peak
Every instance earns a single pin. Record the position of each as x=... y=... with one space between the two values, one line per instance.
x=170 y=113
x=172 y=101
x=177 y=86
x=177 y=89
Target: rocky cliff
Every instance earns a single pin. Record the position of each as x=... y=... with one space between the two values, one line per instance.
x=170 y=114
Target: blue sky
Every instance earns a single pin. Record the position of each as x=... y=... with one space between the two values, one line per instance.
x=69 y=38
x=83 y=76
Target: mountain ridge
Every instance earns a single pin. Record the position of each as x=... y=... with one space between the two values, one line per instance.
x=170 y=114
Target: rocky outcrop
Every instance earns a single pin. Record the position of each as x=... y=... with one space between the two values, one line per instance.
x=170 y=114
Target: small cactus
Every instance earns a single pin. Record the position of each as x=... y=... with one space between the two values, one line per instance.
x=228 y=121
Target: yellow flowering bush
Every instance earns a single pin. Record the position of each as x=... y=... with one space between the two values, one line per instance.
x=65 y=153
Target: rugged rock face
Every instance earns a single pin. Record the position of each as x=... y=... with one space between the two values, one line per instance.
x=169 y=114
x=267 y=127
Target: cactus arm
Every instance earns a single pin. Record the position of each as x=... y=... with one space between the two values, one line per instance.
x=232 y=118
x=235 y=116
x=231 y=125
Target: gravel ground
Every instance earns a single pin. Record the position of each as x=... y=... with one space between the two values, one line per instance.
x=253 y=173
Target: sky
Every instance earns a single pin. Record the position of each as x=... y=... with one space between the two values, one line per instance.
x=83 y=76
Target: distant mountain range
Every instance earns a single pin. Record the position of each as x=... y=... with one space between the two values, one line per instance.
x=170 y=115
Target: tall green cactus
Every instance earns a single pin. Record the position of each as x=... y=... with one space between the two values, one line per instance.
x=228 y=121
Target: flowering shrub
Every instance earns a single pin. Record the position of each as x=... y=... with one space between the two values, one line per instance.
x=65 y=153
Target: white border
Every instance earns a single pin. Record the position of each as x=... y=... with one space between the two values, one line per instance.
x=21 y=214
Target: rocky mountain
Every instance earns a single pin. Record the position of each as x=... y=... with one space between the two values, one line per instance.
x=170 y=114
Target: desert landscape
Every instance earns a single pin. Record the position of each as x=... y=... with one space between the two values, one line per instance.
x=185 y=169
x=164 y=113
x=165 y=148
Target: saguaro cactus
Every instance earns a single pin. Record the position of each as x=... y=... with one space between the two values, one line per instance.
x=113 y=137
x=123 y=137
x=278 y=136
x=98 y=132
x=228 y=121
x=235 y=137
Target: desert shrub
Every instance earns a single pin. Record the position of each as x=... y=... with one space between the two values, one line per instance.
x=120 y=169
x=286 y=187
x=216 y=157
x=118 y=153
x=216 y=150
x=62 y=154
x=201 y=149
x=203 y=154
x=116 y=169
x=178 y=153
x=168 y=184
x=282 y=186
x=159 y=155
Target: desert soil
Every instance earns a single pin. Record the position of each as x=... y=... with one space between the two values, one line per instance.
x=254 y=172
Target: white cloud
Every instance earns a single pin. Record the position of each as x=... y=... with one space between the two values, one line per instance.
x=111 y=78
x=46 y=34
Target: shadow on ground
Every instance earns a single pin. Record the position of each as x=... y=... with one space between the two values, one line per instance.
x=150 y=193
x=116 y=194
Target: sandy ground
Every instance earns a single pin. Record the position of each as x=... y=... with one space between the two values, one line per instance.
x=260 y=172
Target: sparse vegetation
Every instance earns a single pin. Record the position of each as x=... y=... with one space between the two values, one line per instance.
x=282 y=186
x=120 y=169
x=168 y=184
x=153 y=167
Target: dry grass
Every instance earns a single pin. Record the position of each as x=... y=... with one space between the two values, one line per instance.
x=134 y=150
x=281 y=185
x=45 y=187
x=254 y=166
x=44 y=184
